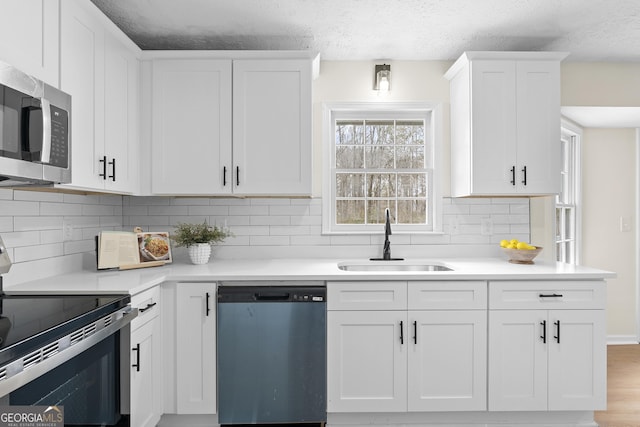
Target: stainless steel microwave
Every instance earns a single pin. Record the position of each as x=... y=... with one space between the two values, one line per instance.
x=35 y=131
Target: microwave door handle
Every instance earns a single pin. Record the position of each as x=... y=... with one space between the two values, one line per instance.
x=46 y=131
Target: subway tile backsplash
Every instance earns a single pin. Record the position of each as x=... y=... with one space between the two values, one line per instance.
x=50 y=233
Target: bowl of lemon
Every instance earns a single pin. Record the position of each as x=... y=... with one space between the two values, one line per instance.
x=519 y=252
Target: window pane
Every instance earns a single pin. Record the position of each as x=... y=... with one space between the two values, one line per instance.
x=558 y=224
x=568 y=223
x=379 y=132
x=379 y=157
x=349 y=132
x=412 y=211
x=412 y=185
x=410 y=132
x=381 y=185
x=349 y=157
x=350 y=211
x=376 y=211
x=410 y=157
x=349 y=185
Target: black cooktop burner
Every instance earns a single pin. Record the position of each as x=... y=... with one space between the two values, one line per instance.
x=27 y=322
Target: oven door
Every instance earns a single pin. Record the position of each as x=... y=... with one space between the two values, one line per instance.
x=83 y=377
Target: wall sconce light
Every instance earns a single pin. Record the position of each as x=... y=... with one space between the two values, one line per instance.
x=382 y=80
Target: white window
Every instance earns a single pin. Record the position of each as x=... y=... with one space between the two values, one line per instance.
x=381 y=156
x=567 y=202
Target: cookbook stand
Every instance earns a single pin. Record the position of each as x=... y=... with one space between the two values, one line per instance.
x=121 y=250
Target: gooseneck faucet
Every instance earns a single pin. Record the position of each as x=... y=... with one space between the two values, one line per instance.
x=386 y=250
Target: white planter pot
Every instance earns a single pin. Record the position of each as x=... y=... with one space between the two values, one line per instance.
x=199 y=253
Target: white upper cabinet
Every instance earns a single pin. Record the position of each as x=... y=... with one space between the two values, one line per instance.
x=505 y=123
x=99 y=68
x=191 y=127
x=272 y=126
x=230 y=126
x=29 y=37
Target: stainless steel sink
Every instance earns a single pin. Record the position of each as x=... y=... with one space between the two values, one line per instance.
x=391 y=266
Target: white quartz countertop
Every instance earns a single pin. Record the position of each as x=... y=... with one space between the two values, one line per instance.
x=135 y=281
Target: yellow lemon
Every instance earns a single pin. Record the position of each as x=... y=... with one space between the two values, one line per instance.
x=512 y=246
x=514 y=241
x=522 y=245
x=504 y=243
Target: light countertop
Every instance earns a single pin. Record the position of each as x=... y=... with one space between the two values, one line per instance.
x=135 y=281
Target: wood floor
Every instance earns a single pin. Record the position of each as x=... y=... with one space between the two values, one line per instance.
x=623 y=387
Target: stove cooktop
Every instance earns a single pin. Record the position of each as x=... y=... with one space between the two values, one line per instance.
x=27 y=322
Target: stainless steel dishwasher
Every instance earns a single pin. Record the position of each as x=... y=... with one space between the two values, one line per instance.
x=272 y=353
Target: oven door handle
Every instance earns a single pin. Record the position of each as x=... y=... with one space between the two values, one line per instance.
x=15 y=380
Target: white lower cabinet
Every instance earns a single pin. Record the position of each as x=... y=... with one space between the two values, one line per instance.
x=401 y=360
x=145 y=360
x=546 y=358
x=195 y=348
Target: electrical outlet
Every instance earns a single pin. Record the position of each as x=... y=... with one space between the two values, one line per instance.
x=625 y=224
x=67 y=231
x=486 y=226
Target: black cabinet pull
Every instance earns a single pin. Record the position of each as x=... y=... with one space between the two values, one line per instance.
x=415 y=332
x=557 y=337
x=513 y=175
x=401 y=332
x=524 y=175
x=207 y=307
x=544 y=331
x=554 y=295
x=113 y=169
x=137 y=364
x=224 y=176
x=103 y=160
x=142 y=310
x=237 y=175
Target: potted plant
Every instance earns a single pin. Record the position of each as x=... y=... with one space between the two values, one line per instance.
x=198 y=238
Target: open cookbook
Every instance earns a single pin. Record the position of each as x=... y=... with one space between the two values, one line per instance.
x=125 y=250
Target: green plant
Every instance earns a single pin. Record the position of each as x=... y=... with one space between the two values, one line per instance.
x=191 y=234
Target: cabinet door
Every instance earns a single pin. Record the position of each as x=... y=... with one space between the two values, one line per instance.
x=191 y=127
x=447 y=361
x=538 y=97
x=120 y=117
x=518 y=360
x=367 y=361
x=82 y=76
x=578 y=362
x=29 y=37
x=146 y=375
x=493 y=130
x=195 y=346
x=272 y=126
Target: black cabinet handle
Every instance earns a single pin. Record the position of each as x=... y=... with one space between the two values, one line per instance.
x=103 y=160
x=557 y=337
x=554 y=295
x=142 y=310
x=137 y=364
x=208 y=308
x=401 y=332
x=224 y=176
x=113 y=169
x=524 y=175
x=513 y=175
x=237 y=175
x=415 y=332
x=544 y=331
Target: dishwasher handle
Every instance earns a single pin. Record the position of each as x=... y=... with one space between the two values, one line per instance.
x=272 y=296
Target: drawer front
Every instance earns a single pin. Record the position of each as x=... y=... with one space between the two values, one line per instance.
x=366 y=295
x=579 y=295
x=148 y=305
x=447 y=295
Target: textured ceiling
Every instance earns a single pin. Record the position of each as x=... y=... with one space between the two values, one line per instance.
x=591 y=30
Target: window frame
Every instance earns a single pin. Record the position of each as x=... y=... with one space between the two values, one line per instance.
x=573 y=133
x=431 y=111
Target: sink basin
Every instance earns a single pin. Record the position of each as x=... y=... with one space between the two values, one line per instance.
x=391 y=266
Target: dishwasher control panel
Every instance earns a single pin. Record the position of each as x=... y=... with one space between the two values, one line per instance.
x=266 y=293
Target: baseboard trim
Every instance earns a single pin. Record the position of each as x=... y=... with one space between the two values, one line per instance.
x=622 y=339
